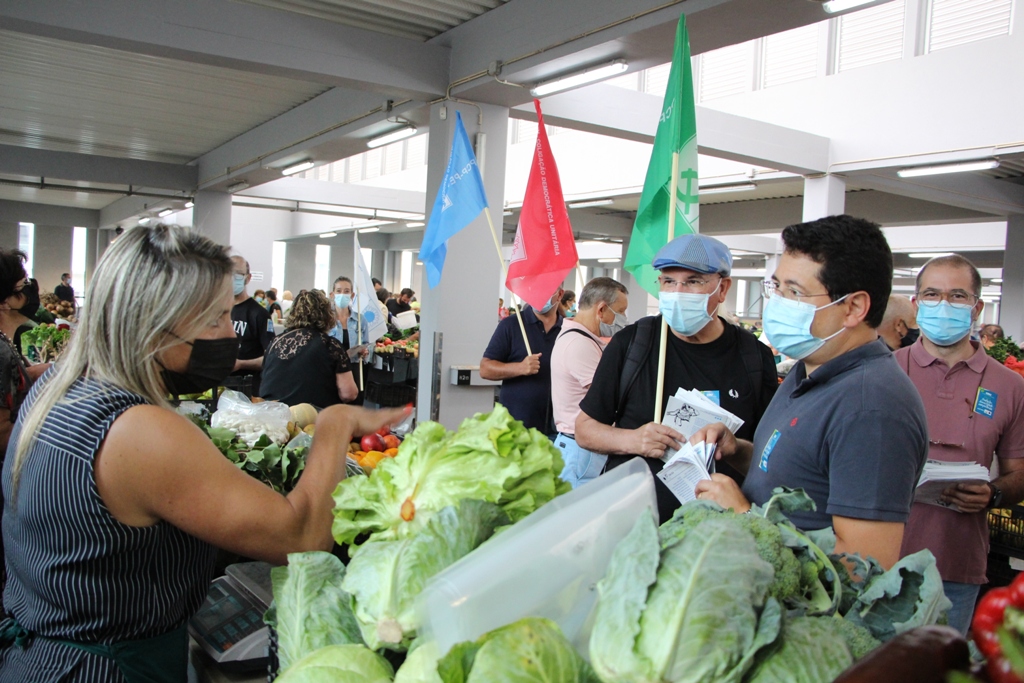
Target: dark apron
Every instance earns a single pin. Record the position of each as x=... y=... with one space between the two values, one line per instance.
x=161 y=659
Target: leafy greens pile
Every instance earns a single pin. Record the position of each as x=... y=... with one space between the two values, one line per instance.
x=492 y=457
x=717 y=596
x=279 y=467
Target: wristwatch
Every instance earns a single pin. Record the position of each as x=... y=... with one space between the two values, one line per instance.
x=997 y=496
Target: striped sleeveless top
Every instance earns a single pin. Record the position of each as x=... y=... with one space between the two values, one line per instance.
x=75 y=572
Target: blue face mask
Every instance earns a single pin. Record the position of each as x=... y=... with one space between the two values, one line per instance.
x=547 y=307
x=342 y=300
x=571 y=313
x=943 y=323
x=788 y=326
x=238 y=284
x=686 y=313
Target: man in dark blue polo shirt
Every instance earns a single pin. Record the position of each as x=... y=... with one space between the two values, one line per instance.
x=847 y=425
x=525 y=379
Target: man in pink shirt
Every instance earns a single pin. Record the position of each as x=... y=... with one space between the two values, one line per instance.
x=975 y=409
x=574 y=359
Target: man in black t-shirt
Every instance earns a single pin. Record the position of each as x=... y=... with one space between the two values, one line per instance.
x=704 y=352
x=401 y=304
x=64 y=290
x=254 y=328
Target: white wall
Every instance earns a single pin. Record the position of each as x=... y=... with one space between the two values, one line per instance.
x=253 y=232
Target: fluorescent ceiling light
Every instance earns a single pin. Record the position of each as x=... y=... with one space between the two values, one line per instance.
x=144 y=220
x=327 y=235
x=607 y=260
x=598 y=73
x=165 y=213
x=414 y=225
x=930 y=254
x=26 y=225
x=964 y=167
x=298 y=168
x=717 y=189
x=401 y=215
x=506 y=213
x=592 y=202
x=189 y=205
x=834 y=6
x=238 y=187
x=997 y=280
x=374 y=229
x=393 y=136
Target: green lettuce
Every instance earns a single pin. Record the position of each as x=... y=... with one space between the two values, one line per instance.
x=531 y=650
x=491 y=457
x=339 y=664
x=385 y=577
x=701 y=617
x=811 y=650
x=310 y=609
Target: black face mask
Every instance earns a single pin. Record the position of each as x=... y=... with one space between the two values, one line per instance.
x=910 y=337
x=212 y=360
x=31 y=306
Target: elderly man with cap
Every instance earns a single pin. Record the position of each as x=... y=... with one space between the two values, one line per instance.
x=705 y=352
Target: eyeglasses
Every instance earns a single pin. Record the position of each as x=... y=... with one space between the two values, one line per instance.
x=957 y=298
x=771 y=288
x=690 y=284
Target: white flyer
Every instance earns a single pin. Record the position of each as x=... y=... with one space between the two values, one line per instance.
x=690 y=411
x=686 y=467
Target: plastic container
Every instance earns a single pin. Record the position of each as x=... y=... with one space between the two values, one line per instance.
x=547 y=565
x=406 y=320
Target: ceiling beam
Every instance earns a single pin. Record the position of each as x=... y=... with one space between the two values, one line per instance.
x=47 y=214
x=970 y=191
x=244 y=37
x=92 y=168
x=535 y=40
x=339 y=194
x=329 y=127
x=614 y=111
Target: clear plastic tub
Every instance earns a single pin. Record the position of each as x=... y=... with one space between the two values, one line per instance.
x=547 y=565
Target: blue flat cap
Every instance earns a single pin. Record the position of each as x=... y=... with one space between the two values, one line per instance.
x=695 y=252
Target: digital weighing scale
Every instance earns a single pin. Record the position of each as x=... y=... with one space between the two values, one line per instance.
x=229 y=626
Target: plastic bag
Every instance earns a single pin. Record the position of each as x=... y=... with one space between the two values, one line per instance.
x=251 y=420
x=547 y=565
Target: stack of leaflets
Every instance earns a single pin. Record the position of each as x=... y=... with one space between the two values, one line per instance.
x=939 y=476
x=688 y=412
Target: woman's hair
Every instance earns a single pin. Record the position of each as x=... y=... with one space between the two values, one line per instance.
x=567 y=296
x=150 y=282
x=258 y=294
x=310 y=309
x=12 y=271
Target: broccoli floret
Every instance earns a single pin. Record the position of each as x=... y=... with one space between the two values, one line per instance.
x=767 y=537
x=857 y=638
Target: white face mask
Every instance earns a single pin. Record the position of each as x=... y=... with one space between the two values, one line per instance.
x=238 y=282
x=620 y=322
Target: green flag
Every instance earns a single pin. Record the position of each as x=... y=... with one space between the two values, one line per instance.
x=677 y=132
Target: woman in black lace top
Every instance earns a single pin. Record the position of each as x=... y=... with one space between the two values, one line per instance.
x=305 y=364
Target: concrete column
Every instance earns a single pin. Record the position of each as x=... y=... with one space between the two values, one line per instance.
x=51 y=257
x=9 y=233
x=639 y=299
x=212 y=215
x=377 y=267
x=92 y=243
x=342 y=257
x=471 y=271
x=1011 y=313
x=824 y=196
x=299 y=266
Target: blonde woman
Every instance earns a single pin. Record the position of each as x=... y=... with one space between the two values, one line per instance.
x=113 y=503
x=306 y=364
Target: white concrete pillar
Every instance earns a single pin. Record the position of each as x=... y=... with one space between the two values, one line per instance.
x=342 y=257
x=211 y=215
x=824 y=196
x=299 y=266
x=471 y=271
x=1011 y=313
x=51 y=257
x=9 y=233
x=92 y=243
x=639 y=299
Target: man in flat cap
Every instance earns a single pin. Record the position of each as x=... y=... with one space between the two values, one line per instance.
x=705 y=352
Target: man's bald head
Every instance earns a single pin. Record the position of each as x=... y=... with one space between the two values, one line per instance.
x=900 y=316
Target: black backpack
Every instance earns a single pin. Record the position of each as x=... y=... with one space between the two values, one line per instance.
x=643 y=342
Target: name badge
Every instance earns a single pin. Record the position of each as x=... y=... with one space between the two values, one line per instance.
x=768 y=447
x=985 y=403
x=713 y=396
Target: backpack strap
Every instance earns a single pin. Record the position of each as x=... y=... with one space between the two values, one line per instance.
x=579 y=331
x=637 y=352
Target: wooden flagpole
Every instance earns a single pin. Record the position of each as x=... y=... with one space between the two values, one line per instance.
x=663 y=346
x=504 y=270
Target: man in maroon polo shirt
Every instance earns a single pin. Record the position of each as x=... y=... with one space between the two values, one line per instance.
x=975 y=409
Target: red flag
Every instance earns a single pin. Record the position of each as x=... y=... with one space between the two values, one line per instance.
x=544 y=251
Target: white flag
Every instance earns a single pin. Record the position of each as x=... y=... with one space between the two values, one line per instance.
x=365 y=299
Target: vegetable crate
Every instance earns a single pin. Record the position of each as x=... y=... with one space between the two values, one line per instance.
x=390 y=395
x=1006 y=531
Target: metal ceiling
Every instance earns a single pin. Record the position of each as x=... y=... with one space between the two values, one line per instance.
x=415 y=19
x=70 y=97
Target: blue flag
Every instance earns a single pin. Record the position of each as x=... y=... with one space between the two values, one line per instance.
x=460 y=199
